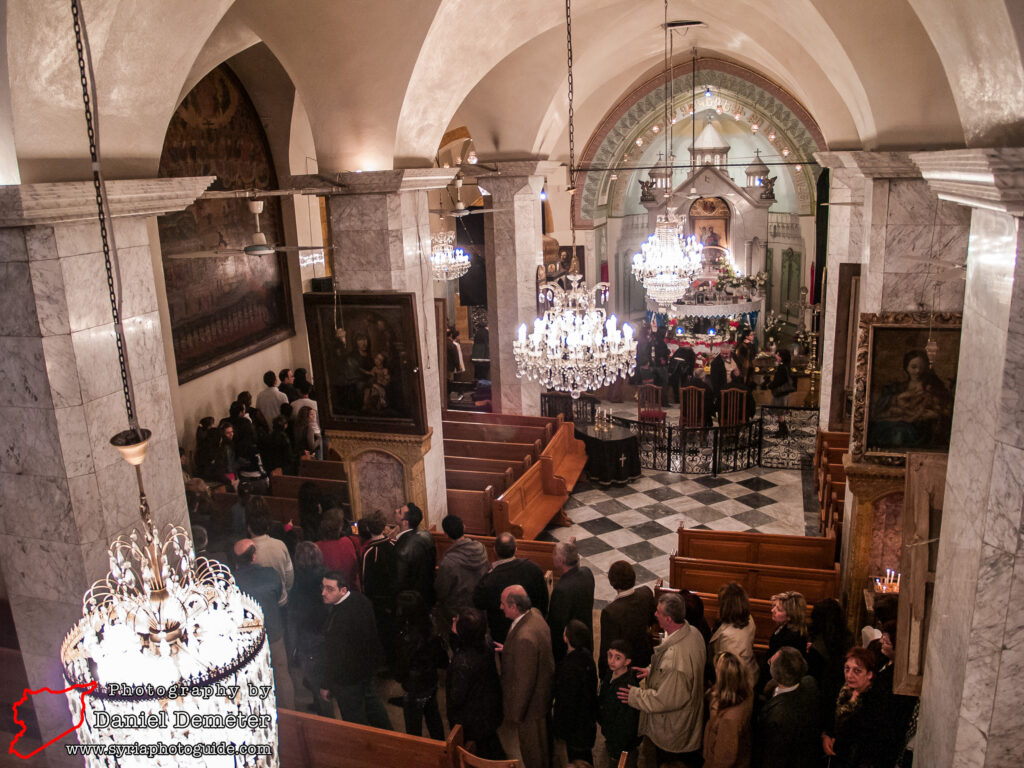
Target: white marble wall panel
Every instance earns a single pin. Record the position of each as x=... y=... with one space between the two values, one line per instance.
x=51 y=302
x=132 y=232
x=29 y=443
x=79 y=238
x=911 y=202
x=87 y=508
x=40 y=243
x=161 y=473
x=138 y=292
x=96 y=356
x=61 y=371
x=86 y=291
x=1006 y=743
x=12 y=245
x=17 y=310
x=75 y=444
x=35 y=568
x=104 y=418
x=145 y=347
x=23 y=381
x=21 y=497
x=119 y=497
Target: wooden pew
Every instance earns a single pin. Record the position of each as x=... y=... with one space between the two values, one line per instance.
x=287 y=486
x=759 y=548
x=563 y=457
x=540 y=552
x=476 y=508
x=474 y=417
x=311 y=741
x=283 y=510
x=508 y=452
x=473 y=464
x=825 y=439
x=760 y=581
x=530 y=503
x=498 y=433
x=833 y=488
x=329 y=470
x=467 y=480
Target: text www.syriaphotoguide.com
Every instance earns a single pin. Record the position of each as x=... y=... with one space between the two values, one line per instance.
x=156 y=750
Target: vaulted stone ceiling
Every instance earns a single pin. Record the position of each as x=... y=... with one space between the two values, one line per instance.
x=382 y=81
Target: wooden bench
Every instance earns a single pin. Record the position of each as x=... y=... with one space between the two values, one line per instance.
x=508 y=452
x=287 y=486
x=284 y=510
x=760 y=548
x=512 y=419
x=760 y=581
x=311 y=741
x=497 y=433
x=564 y=457
x=540 y=552
x=833 y=489
x=823 y=441
x=329 y=470
x=468 y=480
x=530 y=503
x=475 y=508
x=473 y=464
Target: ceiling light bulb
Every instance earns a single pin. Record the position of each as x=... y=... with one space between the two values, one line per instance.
x=718 y=108
x=707 y=91
x=738 y=115
x=799 y=167
x=785 y=151
x=655 y=128
x=640 y=141
x=754 y=127
x=771 y=136
x=614 y=176
x=544 y=194
x=471 y=158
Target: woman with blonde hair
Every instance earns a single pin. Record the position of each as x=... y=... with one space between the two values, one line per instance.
x=727 y=733
x=789 y=612
x=735 y=631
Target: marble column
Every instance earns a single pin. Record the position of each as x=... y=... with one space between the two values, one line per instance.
x=380 y=232
x=65 y=493
x=513 y=236
x=972 y=702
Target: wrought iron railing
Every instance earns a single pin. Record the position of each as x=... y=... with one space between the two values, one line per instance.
x=789 y=433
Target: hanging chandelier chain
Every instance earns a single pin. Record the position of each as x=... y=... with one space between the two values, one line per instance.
x=88 y=80
x=572 y=135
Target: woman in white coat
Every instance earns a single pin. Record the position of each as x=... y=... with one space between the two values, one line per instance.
x=735 y=631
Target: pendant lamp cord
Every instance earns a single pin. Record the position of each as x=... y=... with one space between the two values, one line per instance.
x=110 y=260
x=572 y=137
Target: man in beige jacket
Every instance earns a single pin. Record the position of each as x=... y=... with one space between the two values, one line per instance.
x=671 y=697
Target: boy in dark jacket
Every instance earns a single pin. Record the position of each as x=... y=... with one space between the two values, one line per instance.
x=619 y=721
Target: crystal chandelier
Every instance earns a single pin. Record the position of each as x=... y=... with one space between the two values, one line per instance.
x=447 y=261
x=575 y=346
x=667 y=262
x=169 y=658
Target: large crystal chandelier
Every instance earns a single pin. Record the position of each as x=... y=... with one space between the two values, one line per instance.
x=575 y=346
x=170 y=663
x=667 y=262
x=446 y=261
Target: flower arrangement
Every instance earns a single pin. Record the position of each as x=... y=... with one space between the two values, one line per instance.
x=803 y=338
x=773 y=329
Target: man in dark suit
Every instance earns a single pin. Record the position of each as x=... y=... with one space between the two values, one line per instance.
x=572 y=596
x=350 y=654
x=789 y=727
x=628 y=617
x=527 y=674
x=415 y=555
x=505 y=571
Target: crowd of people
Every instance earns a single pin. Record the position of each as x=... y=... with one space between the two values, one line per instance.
x=347 y=605
x=731 y=368
x=258 y=436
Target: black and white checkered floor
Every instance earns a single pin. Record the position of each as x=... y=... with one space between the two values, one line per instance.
x=638 y=522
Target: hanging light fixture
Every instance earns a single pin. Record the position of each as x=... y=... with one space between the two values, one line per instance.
x=446 y=261
x=667 y=261
x=574 y=346
x=175 y=658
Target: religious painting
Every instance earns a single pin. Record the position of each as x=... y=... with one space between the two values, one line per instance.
x=709 y=221
x=365 y=353
x=223 y=304
x=905 y=384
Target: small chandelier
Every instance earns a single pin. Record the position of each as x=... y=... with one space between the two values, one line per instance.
x=446 y=261
x=667 y=262
x=575 y=347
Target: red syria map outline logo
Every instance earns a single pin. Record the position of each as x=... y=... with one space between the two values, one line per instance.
x=86 y=689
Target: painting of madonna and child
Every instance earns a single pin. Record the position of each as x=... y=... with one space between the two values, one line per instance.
x=366 y=361
x=911 y=388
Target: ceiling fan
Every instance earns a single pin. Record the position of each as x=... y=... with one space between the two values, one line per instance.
x=460 y=208
x=258 y=245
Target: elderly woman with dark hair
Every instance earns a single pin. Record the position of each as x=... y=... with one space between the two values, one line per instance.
x=473 y=689
x=862 y=736
x=574 y=718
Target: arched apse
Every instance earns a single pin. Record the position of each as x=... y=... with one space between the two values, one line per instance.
x=632 y=136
